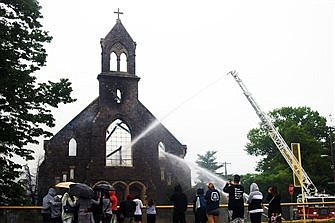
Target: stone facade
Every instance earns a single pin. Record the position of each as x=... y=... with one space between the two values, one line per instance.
x=105 y=142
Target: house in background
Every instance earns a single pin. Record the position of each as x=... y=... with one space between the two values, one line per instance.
x=105 y=141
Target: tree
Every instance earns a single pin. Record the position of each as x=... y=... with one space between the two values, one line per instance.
x=296 y=125
x=208 y=162
x=24 y=104
x=31 y=182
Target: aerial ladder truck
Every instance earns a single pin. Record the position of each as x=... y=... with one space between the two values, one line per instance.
x=306 y=183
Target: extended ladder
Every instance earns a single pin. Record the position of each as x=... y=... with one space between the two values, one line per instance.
x=284 y=149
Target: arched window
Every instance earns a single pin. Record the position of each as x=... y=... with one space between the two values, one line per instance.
x=123 y=62
x=118 y=145
x=72 y=147
x=161 y=150
x=113 y=62
x=121 y=190
x=118 y=96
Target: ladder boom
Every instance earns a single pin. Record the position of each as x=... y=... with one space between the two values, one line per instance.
x=280 y=143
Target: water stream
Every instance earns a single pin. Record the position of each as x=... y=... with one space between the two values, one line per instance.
x=196 y=171
x=157 y=122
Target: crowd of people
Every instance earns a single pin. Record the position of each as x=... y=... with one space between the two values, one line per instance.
x=106 y=208
x=206 y=206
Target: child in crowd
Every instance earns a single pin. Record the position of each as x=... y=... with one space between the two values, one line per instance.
x=151 y=212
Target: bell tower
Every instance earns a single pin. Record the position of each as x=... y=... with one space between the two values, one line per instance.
x=117 y=85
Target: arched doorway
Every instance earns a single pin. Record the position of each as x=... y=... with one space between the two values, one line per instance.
x=120 y=188
x=137 y=189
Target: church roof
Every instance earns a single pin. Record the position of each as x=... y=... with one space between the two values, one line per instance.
x=119 y=33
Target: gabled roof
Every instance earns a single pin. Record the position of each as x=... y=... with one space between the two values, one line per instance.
x=119 y=32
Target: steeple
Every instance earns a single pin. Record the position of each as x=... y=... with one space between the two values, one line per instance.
x=118 y=82
x=118 y=42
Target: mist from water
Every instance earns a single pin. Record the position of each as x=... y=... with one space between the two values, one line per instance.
x=197 y=172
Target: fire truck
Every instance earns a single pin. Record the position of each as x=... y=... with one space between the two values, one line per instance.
x=318 y=208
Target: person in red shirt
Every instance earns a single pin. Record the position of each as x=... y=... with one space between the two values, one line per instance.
x=114 y=200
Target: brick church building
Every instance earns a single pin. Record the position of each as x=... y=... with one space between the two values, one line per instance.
x=109 y=141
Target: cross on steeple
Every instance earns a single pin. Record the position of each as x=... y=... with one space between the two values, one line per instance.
x=118 y=13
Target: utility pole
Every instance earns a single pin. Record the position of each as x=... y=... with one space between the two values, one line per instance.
x=225 y=168
x=332 y=152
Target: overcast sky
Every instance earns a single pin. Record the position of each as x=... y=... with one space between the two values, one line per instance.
x=283 y=51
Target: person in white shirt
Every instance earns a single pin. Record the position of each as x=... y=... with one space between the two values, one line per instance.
x=138 y=211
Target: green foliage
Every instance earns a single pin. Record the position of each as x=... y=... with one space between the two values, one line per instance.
x=265 y=180
x=296 y=125
x=208 y=162
x=24 y=103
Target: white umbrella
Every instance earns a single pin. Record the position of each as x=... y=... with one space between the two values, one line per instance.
x=64 y=184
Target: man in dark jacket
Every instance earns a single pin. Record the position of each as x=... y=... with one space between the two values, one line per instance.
x=179 y=200
x=127 y=209
x=235 y=200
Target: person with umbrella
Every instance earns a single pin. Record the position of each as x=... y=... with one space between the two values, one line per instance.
x=106 y=208
x=85 y=194
x=69 y=204
x=97 y=207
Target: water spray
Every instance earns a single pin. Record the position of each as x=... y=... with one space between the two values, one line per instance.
x=157 y=122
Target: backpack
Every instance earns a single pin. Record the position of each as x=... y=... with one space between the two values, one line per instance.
x=68 y=208
x=201 y=203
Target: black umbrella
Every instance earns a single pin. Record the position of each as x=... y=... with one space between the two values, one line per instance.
x=103 y=186
x=81 y=190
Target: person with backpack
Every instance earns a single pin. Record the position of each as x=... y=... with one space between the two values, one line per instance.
x=69 y=204
x=199 y=206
